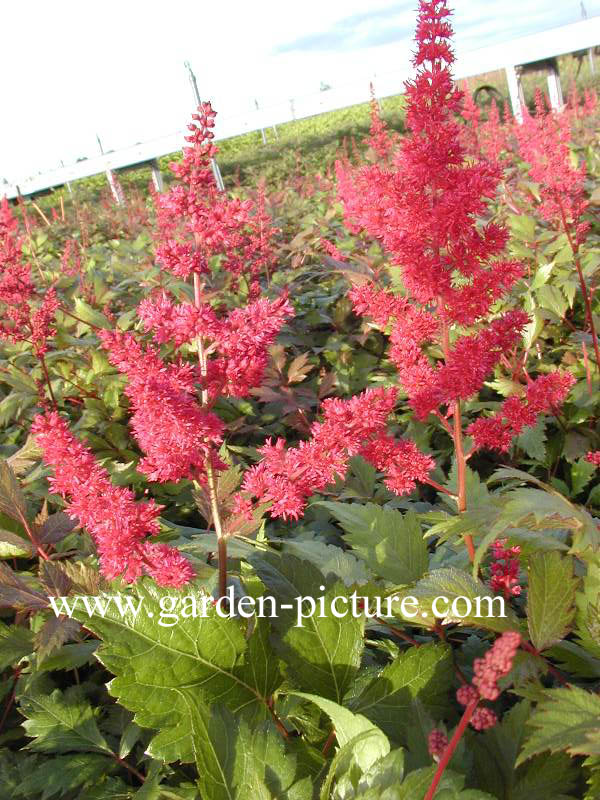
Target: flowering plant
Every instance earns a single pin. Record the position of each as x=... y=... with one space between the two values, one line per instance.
x=205 y=425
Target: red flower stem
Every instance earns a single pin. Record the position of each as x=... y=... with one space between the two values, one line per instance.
x=461 y=466
x=398 y=632
x=584 y=291
x=451 y=747
x=586 y=364
x=40 y=550
x=210 y=475
x=47 y=376
x=439 y=487
x=456 y=434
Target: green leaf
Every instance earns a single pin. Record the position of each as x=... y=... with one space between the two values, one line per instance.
x=391 y=543
x=193 y=663
x=495 y=754
x=386 y=773
x=237 y=762
x=16 y=642
x=64 y=774
x=324 y=653
x=420 y=675
x=587 y=617
x=14 y=546
x=565 y=719
x=330 y=559
x=582 y=473
x=90 y=315
x=347 y=724
x=474 y=603
x=533 y=440
x=551 y=598
x=12 y=499
x=25 y=457
x=57 y=722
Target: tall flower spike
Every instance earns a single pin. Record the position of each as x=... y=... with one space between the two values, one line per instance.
x=174 y=432
x=118 y=523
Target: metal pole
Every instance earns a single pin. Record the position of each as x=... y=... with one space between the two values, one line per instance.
x=213 y=163
x=262 y=130
x=115 y=188
x=157 y=178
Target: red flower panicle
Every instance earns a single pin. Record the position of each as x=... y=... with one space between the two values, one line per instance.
x=23 y=317
x=197 y=222
x=593 y=457
x=425 y=205
x=544 y=141
x=437 y=742
x=118 y=523
x=496 y=663
x=542 y=395
x=175 y=433
x=288 y=477
x=505 y=569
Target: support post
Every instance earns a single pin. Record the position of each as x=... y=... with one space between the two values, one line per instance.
x=115 y=187
x=157 y=178
x=555 y=90
x=213 y=163
x=517 y=99
x=262 y=130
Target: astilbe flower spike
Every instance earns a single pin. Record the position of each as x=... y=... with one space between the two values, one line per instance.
x=544 y=141
x=287 y=477
x=593 y=457
x=175 y=433
x=25 y=318
x=119 y=524
x=425 y=205
x=542 y=395
x=505 y=569
x=496 y=664
x=197 y=222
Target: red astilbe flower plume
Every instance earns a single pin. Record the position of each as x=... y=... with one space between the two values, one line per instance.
x=24 y=319
x=542 y=395
x=237 y=343
x=544 y=143
x=175 y=433
x=380 y=140
x=593 y=457
x=118 y=523
x=288 y=477
x=505 y=569
x=496 y=663
x=424 y=208
x=197 y=222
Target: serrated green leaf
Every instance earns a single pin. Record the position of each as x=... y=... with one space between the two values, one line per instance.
x=16 y=642
x=475 y=604
x=59 y=722
x=237 y=762
x=12 y=499
x=422 y=674
x=533 y=440
x=390 y=543
x=64 y=774
x=324 y=654
x=550 y=599
x=194 y=663
x=565 y=719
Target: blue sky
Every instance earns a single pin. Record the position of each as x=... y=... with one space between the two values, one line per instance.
x=73 y=69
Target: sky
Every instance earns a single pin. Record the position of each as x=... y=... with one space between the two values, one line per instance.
x=75 y=69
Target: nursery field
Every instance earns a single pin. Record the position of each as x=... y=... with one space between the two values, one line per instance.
x=299 y=482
